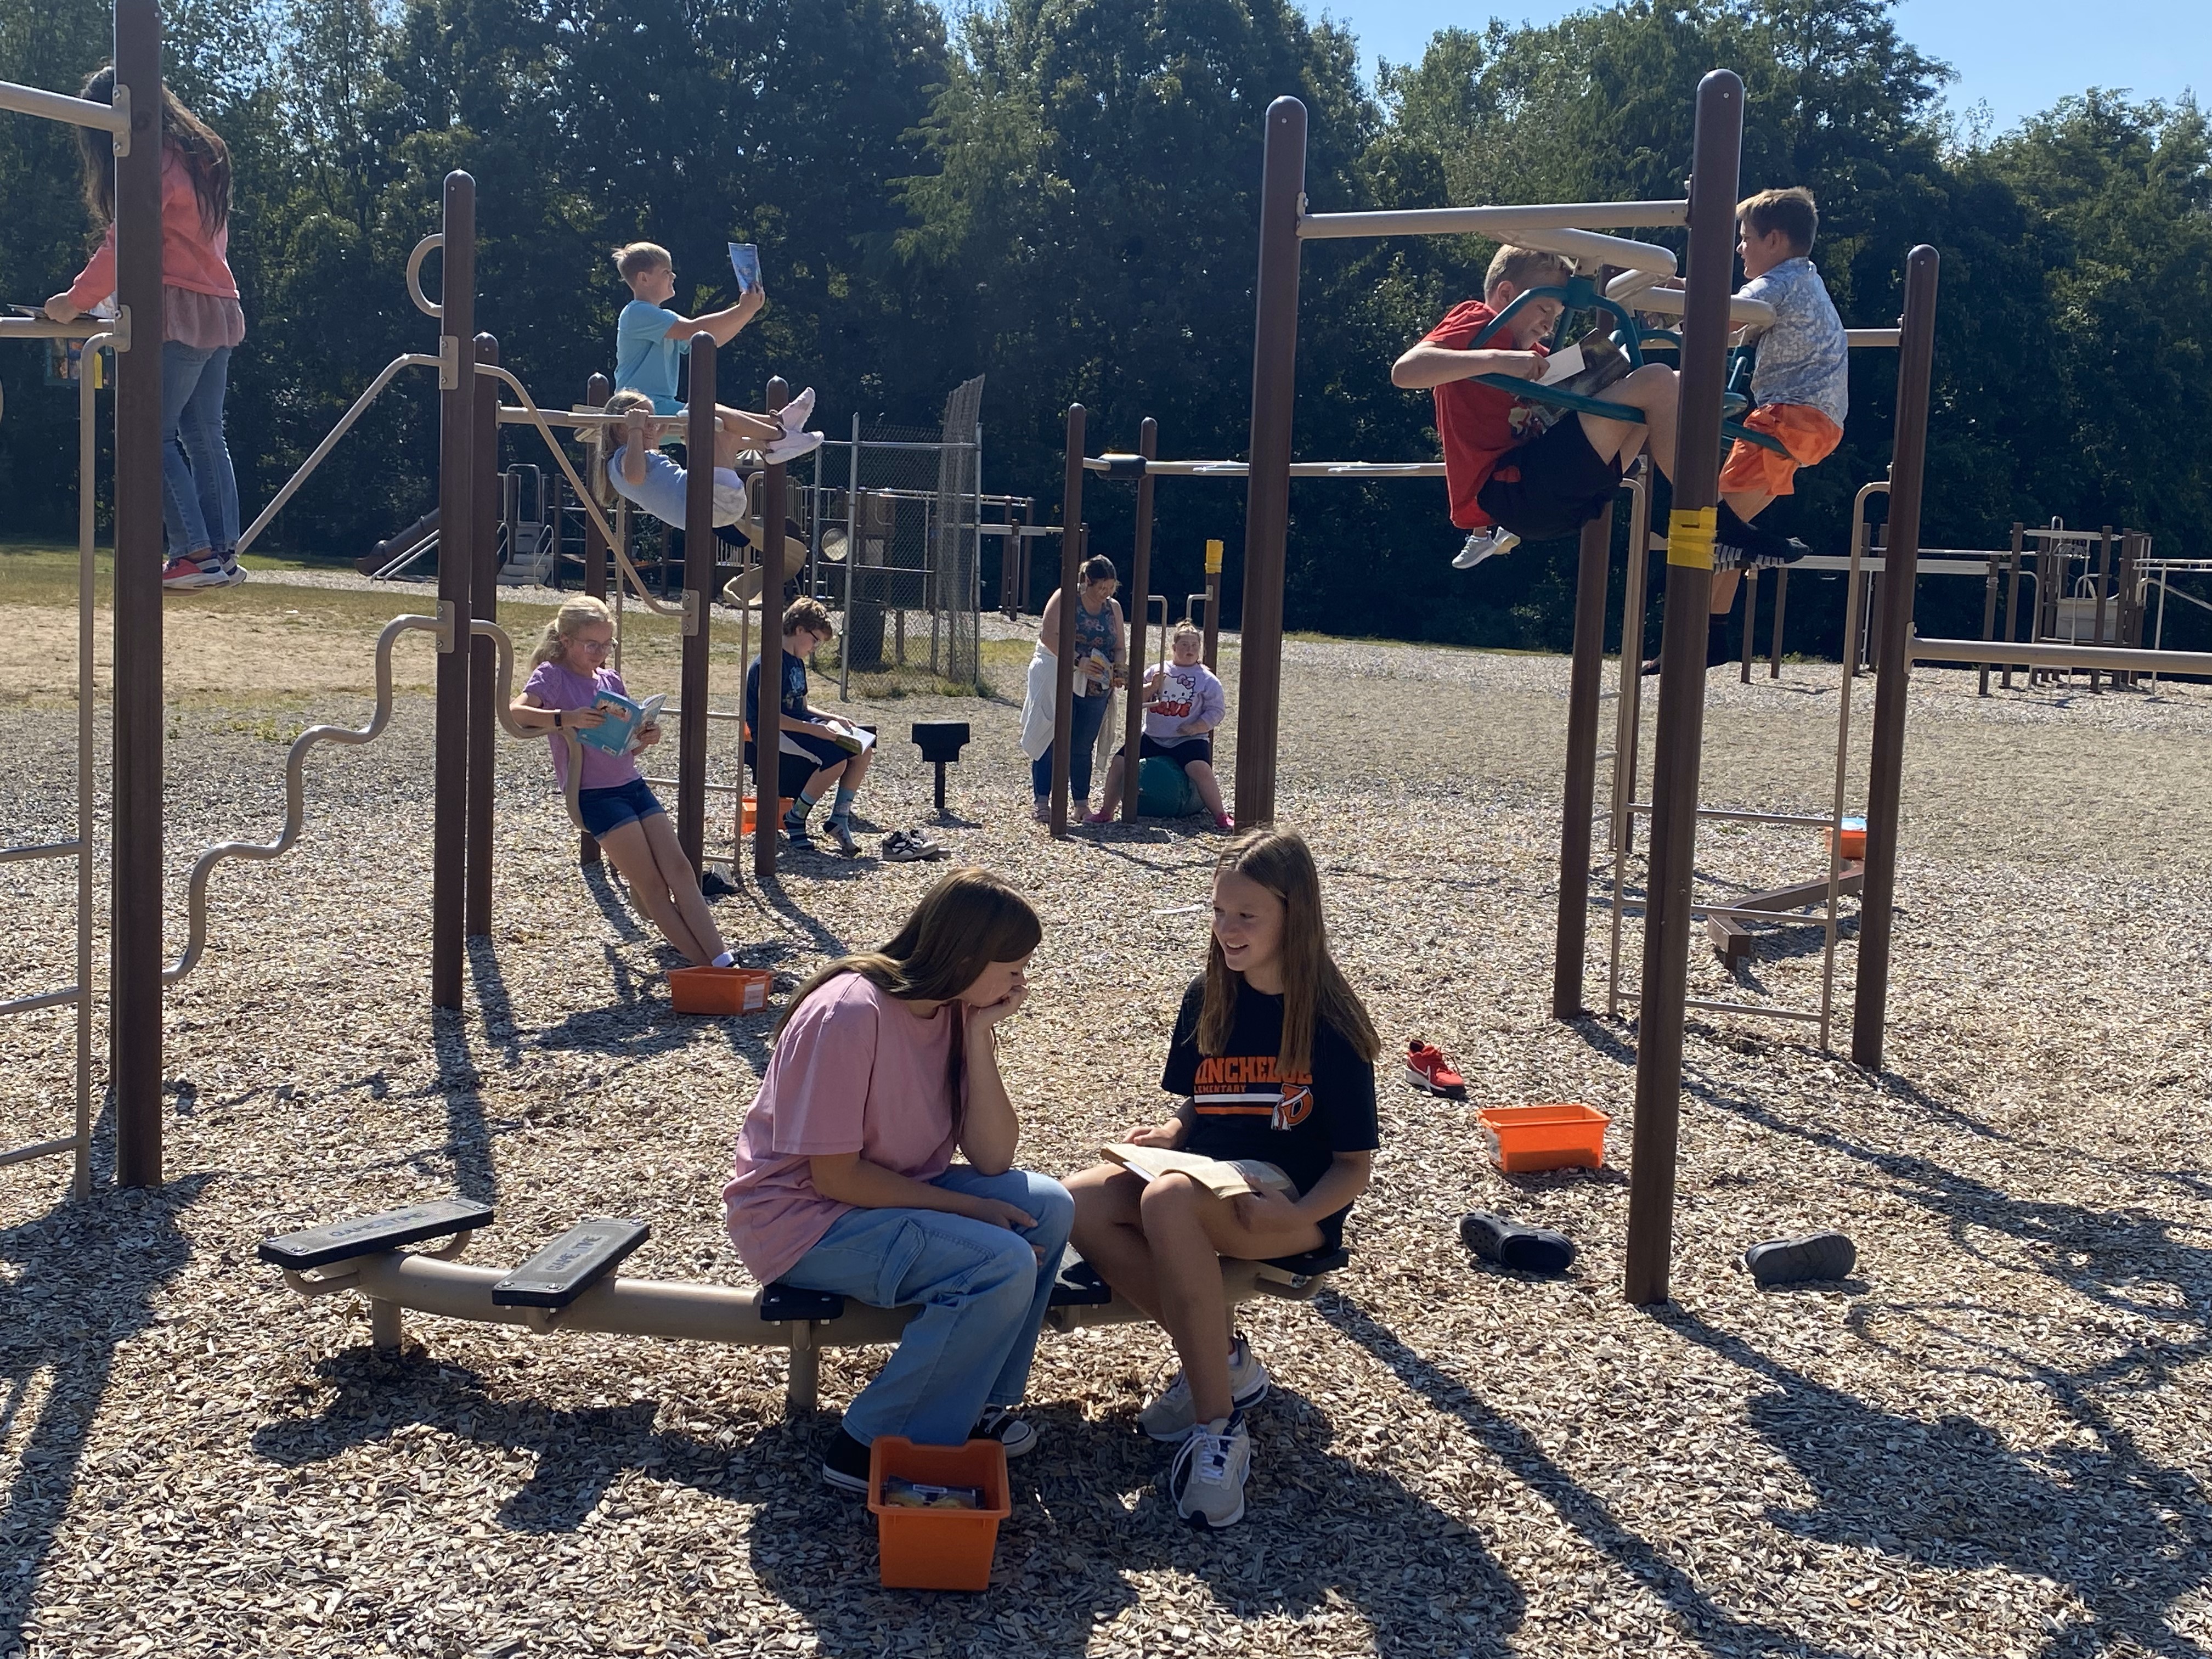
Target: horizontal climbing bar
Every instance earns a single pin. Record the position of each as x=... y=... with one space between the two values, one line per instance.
x=45 y=328
x=2001 y=653
x=52 y=849
x=113 y=118
x=31 y=1005
x=1759 y=1009
x=1490 y=220
x=1643 y=808
x=42 y=1149
x=1132 y=466
x=1630 y=290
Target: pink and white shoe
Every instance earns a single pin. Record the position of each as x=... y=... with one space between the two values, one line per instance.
x=181 y=573
x=1223 y=821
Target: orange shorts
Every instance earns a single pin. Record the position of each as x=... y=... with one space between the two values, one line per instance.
x=1801 y=429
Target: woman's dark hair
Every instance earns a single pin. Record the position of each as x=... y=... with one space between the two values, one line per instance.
x=968 y=921
x=205 y=152
x=1314 y=991
x=1099 y=568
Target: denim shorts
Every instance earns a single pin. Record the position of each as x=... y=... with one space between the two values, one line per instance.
x=603 y=810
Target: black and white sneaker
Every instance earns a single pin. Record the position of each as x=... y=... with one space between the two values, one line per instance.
x=1812 y=1259
x=1207 y=1479
x=1481 y=544
x=1017 y=1434
x=845 y=1462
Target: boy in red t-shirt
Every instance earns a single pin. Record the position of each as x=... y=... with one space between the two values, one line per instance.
x=1508 y=481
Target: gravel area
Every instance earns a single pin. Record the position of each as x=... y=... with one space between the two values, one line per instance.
x=1989 y=1442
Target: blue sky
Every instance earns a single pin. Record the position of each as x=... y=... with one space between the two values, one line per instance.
x=2019 y=56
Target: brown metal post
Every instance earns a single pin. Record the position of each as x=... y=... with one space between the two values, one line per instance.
x=135 y=958
x=2012 y=596
x=1212 y=657
x=1750 y=615
x=1267 y=485
x=596 y=390
x=1690 y=530
x=767 y=725
x=1071 y=559
x=457 y=532
x=484 y=657
x=1584 y=684
x=1989 y=613
x=2097 y=627
x=1886 y=765
x=698 y=583
x=1140 y=579
x=1781 y=603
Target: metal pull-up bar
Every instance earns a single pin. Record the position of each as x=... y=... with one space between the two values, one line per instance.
x=113 y=118
x=1138 y=466
x=1494 y=221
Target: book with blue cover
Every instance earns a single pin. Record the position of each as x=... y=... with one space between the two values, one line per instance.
x=745 y=259
x=617 y=732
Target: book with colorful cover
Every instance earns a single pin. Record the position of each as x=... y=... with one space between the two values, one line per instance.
x=617 y=732
x=744 y=261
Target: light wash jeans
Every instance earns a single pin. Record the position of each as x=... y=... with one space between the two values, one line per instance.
x=1089 y=714
x=199 y=490
x=982 y=1289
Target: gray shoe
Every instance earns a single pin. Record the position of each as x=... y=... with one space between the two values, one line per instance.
x=841 y=833
x=1482 y=544
x=1168 y=1417
x=1206 y=1480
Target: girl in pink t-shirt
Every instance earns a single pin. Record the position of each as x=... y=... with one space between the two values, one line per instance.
x=566 y=675
x=201 y=323
x=885 y=1064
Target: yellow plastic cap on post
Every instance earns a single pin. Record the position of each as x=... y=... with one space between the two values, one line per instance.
x=1214 y=558
x=1690 y=532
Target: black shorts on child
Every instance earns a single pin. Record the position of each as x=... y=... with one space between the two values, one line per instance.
x=1551 y=486
x=1181 y=753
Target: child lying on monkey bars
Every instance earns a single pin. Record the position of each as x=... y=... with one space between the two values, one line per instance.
x=626 y=463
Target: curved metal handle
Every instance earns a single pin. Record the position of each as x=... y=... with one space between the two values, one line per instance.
x=503 y=696
x=435 y=239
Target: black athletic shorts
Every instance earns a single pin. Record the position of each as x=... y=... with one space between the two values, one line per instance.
x=1551 y=486
x=1182 y=753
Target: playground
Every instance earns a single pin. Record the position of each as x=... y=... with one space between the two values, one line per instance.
x=1982 y=1441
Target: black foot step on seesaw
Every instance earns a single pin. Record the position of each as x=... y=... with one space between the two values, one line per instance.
x=570 y=1284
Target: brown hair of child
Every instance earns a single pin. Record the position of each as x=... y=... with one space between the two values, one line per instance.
x=1526 y=267
x=1791 y=211
x=810 y=615
x=206 y=157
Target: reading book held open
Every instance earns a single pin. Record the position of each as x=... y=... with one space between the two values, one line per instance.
x=617 y=732
x=1226 y=1179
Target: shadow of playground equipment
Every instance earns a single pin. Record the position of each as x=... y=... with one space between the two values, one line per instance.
x=60 y=1325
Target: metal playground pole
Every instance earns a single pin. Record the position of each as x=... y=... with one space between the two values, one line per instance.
x=1584 y=684
x=768 y=733
x=1071 y=560
x=1682 y=685
x=698 y=582
x=456 y=530
x=1140 y=577
x=484 y=656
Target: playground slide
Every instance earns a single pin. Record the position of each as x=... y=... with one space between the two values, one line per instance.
x=393 y=546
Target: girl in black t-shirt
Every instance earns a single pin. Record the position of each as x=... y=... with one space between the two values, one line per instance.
x=1273 y=1058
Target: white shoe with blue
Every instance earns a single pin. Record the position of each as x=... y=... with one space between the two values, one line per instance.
x=1481 y=544
x=1206 y=1480
x=1169 y=1417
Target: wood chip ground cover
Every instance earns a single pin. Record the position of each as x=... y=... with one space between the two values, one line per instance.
x=1989 y=1442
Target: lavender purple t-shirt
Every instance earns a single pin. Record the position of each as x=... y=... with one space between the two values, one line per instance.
x=558 y=687
x=855 y=1071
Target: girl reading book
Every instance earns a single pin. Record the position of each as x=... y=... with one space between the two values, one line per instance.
x=887 y=1064
x=1274 y=1059
x=566 y=675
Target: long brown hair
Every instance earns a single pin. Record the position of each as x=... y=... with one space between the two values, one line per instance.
x=607 y=438
x=205 y=156
x=968 y=921
x=1314 y=990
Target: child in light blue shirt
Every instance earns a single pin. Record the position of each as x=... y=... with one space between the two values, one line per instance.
x=649 y=338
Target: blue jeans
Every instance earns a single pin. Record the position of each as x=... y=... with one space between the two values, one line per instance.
x=199 y=491
x=1090 y=715
x=981 y=1290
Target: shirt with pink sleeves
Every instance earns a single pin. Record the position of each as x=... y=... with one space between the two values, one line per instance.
x=193 y=257
x=855 y=1071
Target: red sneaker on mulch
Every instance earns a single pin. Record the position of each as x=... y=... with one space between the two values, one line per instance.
x=1428 y=1071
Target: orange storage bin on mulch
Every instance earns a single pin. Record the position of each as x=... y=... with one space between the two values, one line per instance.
x=719 y=990
x=1562 y=1135
x=748 y=815
x=1853 y=839
x=937 y=1549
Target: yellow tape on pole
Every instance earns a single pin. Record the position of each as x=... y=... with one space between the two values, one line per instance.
x=1214 y=558
x=1690 y=531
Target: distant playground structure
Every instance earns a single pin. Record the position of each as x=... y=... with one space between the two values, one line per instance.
x=849 y=547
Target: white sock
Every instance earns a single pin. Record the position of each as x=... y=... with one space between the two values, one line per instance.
x=725 y=960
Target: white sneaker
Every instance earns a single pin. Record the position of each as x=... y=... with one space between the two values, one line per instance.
x=1168 y=1416
x=793 y=413
x=1482 y=544
x=786 y=450
x=1206 y=1480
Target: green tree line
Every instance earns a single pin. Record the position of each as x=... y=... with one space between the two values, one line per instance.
x=1062 y=195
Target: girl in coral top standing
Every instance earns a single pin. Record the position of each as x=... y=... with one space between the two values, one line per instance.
x=200 y=322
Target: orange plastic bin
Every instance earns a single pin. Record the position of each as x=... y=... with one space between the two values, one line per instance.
x=747 y=813
x=719 y=990
x=1854 y=839
x=937 y=1549
x=1559 y=1135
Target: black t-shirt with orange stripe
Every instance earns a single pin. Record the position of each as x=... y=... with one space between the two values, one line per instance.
x=1244 y=1108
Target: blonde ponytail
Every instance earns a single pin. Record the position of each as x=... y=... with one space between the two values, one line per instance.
x=606 y=439
x=571 y=619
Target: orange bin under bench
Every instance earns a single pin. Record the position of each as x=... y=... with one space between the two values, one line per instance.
x=1559 y=1135
x=937 y=1549
x=719 y=990
x=747 y=814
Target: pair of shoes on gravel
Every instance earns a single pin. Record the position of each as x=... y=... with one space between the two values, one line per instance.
x=1810 y=1259
x=1509 y=1244
x=845 y=1460
x=911 y=847
x=182 y=574
x=1427 y=1069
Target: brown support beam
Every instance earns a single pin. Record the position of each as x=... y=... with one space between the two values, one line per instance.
x=1071 y=560
x=2097 y=626
x=698 y=583
x=1711 y=266
x=2012 y=596
x=1750 y=617
x=1212 y=657
x=1781 y=603
x=1268 y=483
x=135 y=961
x=457 y=532
x=768 y=736
x=483 y=657
x=1584 y=684
x=596 y=390
x=1140 y=578
x=1886 y=766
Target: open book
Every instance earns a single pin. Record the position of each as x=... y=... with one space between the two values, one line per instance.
x=1223 y=1179
x=853 y=739
x=617 y=733
x=744 y=261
